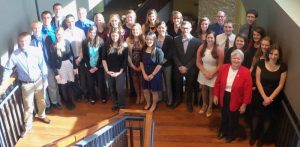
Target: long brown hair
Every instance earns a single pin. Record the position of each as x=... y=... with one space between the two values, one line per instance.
x=94 y=42
x=259 y=53
x=141 y=37
x=214 y=50
x=120 y=47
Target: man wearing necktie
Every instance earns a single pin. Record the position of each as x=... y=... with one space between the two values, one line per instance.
x=32 y=74
x=48 y=35
x=184 y=58
x=247 y=28
x=226 y=39
x=58 y=18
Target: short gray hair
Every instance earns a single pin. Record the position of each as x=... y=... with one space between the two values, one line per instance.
x=237 y=52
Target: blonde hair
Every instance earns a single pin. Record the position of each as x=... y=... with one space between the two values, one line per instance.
x=59 y=46
x=111 y=28
x=130 y=40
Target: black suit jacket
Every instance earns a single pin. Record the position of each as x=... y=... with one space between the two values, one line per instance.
x=187 y=59
x=63 y=24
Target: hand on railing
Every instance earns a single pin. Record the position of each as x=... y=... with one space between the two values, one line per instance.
x=6 y=85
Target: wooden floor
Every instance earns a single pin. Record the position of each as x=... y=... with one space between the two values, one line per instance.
x=173 y=128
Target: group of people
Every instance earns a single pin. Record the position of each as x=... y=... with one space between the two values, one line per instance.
x=65 y=59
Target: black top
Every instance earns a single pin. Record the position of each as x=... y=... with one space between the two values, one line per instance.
x=171 y=30
x=115 y=62
x=86 y=55
x=127 y=31
x=227 y=55
x=56 y=61
x=248 y=57
x=167 y=48
x=270 y=79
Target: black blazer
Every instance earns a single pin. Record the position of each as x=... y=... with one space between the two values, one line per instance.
x=167 y=48
x=63 y=24
x=56 y=61
x=86 y=55
x=187 y=59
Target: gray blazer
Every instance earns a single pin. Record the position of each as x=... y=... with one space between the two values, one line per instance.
x=187 y=59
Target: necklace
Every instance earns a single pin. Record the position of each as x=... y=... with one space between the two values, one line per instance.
x=271 y=66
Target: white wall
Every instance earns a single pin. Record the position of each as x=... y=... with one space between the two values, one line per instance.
x=17 y=15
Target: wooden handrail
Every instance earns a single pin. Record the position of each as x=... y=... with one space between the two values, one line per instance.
x=73 y=138
x=10 y=81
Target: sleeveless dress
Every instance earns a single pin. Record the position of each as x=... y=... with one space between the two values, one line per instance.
x=210 y=64
x=156 y=83
x=136 y=59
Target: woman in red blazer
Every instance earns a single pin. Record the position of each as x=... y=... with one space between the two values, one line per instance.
x=233 y=89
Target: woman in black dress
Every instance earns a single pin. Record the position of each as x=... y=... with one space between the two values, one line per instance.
x=270 y=78
x=240 y=42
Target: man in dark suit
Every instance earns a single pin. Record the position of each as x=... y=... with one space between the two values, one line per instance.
x=185 y=64
x=58 y=20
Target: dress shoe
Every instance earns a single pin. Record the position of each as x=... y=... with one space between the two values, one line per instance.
x=57 y=106
x=114 y=108
x=103 y=101
x=203 y=109
x=24 y=133
x=44 y=120
x=48 y=110
x=220 y=135
x=252 y=141
x=190 y=109
x=175 y=105
x=92 y=101
x=259 y=143
x=209 y=112
x=229 y=139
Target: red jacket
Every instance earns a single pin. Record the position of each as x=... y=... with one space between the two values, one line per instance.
x=241 y=90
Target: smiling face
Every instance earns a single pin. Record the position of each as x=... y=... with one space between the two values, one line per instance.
x=92 y=33
x=186 y=29
x=36 y=28
x=130 y=18
x=228 y=28
x=152 y=18
x=149 y=41
x=115 y=37
x=221 y=17
x=239 y=42
x=162 y=29
x=57 y=10
x=70 y=21
x=265 y=45
x=256 y=36
x=251 y=18
x=24 y=41
x=204 y=26
x=236 y=61
x=210 y=38
x=136 y=31
x=99 y=19
x=46 y=19
x=114 y=21
x=274 y=55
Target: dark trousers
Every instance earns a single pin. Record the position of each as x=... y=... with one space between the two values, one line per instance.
x=83 y=79
x=66 y=92
x=117 y=87
x=229 y=120
x=92 y=79
x=189 y=84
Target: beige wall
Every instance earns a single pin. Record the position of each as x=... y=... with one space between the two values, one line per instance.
x=286 y=33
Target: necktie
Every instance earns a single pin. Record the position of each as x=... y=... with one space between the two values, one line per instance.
x=250 y=33
x=58 y=23
x=227 y=43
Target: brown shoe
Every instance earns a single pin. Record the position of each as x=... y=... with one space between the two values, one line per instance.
x=44 y=120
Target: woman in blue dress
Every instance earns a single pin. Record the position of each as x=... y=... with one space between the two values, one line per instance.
x=152 y=61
